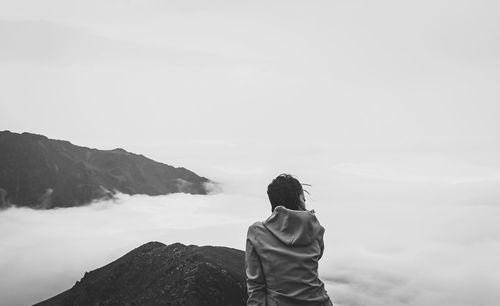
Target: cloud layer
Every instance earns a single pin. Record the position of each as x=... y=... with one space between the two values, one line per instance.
x=404 y=242
x=239 y=91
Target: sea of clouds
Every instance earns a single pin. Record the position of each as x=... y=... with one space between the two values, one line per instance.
x=413 y=230
x=308 y=82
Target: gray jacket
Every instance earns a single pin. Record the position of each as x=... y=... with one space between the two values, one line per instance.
x=281 y=259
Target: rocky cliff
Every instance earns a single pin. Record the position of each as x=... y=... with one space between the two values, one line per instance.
x=39 y=172
x=158 y=274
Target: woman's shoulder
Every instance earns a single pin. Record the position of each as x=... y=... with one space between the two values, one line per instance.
x=256 y=228
x=256 y=225
x=256 y=233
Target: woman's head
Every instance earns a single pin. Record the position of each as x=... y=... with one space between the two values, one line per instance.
x=287 y=191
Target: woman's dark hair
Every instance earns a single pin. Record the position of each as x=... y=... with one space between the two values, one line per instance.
x=285 y=190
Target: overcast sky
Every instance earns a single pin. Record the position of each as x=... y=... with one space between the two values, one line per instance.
x=388 y=108
x=349 y=74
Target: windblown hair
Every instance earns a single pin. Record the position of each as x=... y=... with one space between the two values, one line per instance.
x=285 y=190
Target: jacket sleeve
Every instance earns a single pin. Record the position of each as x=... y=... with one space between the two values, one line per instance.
x=321 y=242
x=322 y=247
x=256 y=285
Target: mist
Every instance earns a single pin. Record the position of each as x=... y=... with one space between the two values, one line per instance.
x=399 y=231
x=389 y=109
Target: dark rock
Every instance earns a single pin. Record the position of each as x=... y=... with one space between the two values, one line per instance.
x=39 y=172
x=157 y=274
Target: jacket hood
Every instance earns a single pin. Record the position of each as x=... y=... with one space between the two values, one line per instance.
x=294 y=227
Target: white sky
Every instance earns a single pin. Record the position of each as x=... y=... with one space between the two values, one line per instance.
x=388 y=108
x=349 y=74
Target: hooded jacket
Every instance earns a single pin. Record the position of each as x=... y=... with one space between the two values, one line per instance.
x=281 y=259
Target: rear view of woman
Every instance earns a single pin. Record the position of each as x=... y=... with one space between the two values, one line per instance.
x=282 y=252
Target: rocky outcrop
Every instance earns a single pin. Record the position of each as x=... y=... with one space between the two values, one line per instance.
x=39 y=172
x=158 y=274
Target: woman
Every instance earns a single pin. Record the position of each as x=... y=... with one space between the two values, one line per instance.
x=282 y=253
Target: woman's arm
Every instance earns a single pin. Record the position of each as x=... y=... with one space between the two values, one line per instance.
x=256 y=284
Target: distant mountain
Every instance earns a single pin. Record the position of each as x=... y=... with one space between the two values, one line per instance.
x=157 y=274
x=39 y=172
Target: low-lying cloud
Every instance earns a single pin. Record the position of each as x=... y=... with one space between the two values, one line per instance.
x=390 y=241
x=45 y=251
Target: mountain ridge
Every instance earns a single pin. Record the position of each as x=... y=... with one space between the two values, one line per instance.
x=159 y=274
x=39 y=172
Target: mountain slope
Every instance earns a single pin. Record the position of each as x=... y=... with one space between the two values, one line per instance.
x=157 y=274
x=39 y=172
